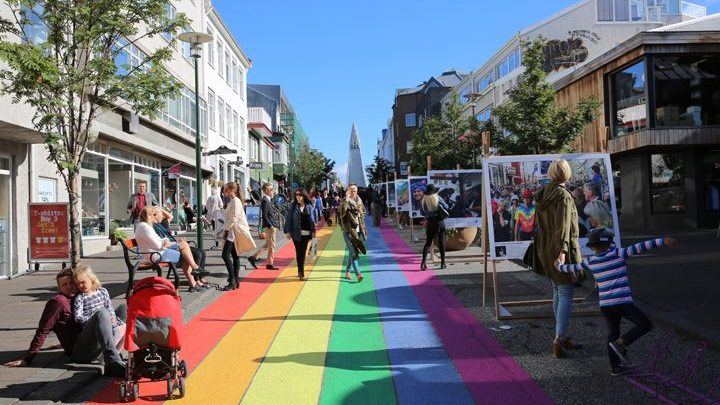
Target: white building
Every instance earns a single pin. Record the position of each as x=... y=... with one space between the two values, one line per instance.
x=386 y=144
x=574 y=37
x=226 y=67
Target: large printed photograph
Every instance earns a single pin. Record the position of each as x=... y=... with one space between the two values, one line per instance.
x=512 y=181
x=391 y=202
x=462 y=192
x=402 y=195
x=418 y=184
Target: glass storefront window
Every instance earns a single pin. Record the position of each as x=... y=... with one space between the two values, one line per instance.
x=120 y=187
x=667 y=188
x=5 y=194
x=151 y=176
x=711 y=176
x=687 y=90
x=92 y=191
x=629 y=103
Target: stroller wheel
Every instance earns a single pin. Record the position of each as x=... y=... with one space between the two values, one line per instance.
x=170 y=388
x=123 y=392
x=183 y=368
x=181 y=386
x=135 y=391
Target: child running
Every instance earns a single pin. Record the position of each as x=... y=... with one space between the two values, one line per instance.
x=609 y=267
x=91 y=297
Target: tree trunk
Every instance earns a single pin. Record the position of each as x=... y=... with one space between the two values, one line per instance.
x=75 y=236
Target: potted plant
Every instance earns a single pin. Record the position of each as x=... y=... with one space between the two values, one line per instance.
x=116 y=233
x=459 y=238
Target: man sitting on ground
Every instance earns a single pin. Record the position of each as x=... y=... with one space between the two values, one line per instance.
x=57 y=317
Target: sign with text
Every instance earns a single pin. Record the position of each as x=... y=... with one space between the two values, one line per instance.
x=255 y=165
x=49 y=232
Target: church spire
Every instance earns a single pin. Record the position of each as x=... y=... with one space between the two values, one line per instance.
x=356 y=172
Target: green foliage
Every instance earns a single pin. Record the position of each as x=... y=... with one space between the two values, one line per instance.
x=116 y=232
x=450 y=140
x=70 y=77
x=532 y=122
x=310 y=167
x=378 y=171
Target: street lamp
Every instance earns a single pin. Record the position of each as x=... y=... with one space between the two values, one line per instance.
x=472 y=97
x=196 y=39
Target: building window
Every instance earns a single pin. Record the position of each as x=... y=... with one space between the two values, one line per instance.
x=180 y=112
x=629 y=102
x=234 y=71
x=211 y=111
x=667 y=171
x=221 y=170
x=243 y=132
x=228 y=74
x=92 y=189
x=241 y=82
x=410 y=120
x=186 y=47
x=211 y=49
x=253 y=149
x=35 y=30
x=409 y=147
x=221 y=116
x=711 y=176
x=484 y=115
x=236 y=129
x=687 y=90
x=486 y=81
x=509 y=63
x=636 y=10
x=170 y=13
x=463 y=94
x=228 y=122
x=221 y=68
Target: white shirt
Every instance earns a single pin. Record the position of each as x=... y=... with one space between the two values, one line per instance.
x=147 y=239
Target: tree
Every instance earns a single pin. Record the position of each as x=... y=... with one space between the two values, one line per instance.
x=69 y=75
x=378 y=171
x=310 y=166
x=530 y=120
x=447 y=139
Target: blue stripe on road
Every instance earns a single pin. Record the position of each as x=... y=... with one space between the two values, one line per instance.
x=422 y=370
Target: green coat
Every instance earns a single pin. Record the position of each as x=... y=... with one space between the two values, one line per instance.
x=557 y=220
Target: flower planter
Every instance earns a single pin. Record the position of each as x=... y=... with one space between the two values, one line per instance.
x=461 y=240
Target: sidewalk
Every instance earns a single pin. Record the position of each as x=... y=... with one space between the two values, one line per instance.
x=52 y=377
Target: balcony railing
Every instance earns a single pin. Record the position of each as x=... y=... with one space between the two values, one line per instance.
x=692 y=9
x=259 y=115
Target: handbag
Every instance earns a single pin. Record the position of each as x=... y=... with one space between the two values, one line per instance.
x=442 y=212
x=528 y=257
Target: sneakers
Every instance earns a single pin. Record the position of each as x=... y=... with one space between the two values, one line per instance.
x=557 y=349
x=619 y=348
x=114 y=369
x=347 y=275
x=271 y=267
x=253 y=261
x=359 y=277
x=621 y=369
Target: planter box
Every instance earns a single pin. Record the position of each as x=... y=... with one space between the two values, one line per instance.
x=461 y=240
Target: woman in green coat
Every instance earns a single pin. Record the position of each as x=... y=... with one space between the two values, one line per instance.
x=557 y=240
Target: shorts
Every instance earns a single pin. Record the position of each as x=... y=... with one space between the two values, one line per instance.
x=170 y=254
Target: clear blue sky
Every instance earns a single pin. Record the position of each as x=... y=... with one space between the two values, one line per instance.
x=340 y=61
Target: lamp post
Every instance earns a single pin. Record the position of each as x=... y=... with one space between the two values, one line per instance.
x=472 y=97
x=196 y=39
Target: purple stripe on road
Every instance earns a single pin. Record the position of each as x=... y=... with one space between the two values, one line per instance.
x=491 y=374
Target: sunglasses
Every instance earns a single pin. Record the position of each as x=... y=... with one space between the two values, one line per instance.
x=298 y=195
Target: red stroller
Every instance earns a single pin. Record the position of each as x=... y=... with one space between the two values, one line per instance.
x=152 y=338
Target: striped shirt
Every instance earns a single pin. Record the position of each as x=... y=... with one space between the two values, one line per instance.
x=85 y=305
x=610 y=271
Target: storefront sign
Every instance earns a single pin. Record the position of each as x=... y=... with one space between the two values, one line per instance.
x=49 y=232
x=255 y=165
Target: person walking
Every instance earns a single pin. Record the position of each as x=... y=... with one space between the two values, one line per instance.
x=139 y=200
x=270 y=224
x=556 y=240
x=237 y=234
x=214 y=203
x=434 y=223
x=376 y=206
x=326 y=204
x=351 y=217
x=300 y=227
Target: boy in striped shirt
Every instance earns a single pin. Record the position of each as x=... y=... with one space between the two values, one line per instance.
x=608 y=265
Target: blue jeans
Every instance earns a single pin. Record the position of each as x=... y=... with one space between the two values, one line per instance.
x=562 y=307
x=353 y=259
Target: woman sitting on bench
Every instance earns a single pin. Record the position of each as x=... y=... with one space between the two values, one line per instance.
x=178 y=253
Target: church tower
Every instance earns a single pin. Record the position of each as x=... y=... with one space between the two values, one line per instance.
x=356 y=171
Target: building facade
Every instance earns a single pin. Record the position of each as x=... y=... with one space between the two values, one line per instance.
x=411 y=107
x=226 y=67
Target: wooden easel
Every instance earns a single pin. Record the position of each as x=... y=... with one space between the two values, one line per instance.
x=500 y=306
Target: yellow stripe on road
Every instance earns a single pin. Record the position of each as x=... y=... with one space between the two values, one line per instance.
x=224 y=375
x=292 y=370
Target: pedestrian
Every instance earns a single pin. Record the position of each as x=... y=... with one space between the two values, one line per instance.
x=609 y=266
x=430 y=208
x=82 y=345
x=300 y=227
x=557 y=240
x=214 y=203
x=351 y=217
x=270 y=224
x=139 y=200
x=316 y=205
x=376 y=206
x=189 y=215
x=236 y=232
x=326 y=204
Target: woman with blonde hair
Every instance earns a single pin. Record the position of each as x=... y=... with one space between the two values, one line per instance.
x=430 y=208
x=557 y=241
x=237 y=234
x=174 y=252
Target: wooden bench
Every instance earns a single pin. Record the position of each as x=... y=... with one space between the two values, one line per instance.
x=134 y=264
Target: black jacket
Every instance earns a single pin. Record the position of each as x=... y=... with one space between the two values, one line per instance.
x=269 y=214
